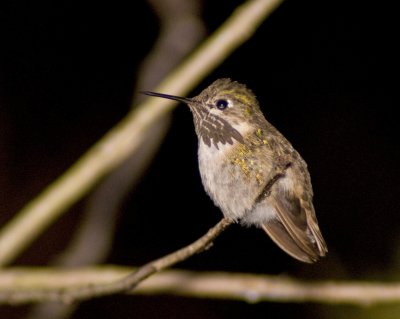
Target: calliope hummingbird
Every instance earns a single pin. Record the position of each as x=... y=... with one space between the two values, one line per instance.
x=239 y=152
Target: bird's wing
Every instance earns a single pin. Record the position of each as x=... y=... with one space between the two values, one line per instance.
x=294 y=228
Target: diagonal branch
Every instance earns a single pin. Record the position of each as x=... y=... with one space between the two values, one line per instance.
x=127 y=136
x=127 y=283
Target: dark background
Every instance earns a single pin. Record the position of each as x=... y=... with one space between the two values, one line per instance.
x=325 y=74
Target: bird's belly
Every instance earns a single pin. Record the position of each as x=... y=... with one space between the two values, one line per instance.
x=228 y=186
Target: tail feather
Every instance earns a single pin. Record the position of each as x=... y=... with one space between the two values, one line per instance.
x=282 y=238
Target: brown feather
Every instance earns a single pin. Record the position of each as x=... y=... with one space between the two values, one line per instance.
x=294 y=229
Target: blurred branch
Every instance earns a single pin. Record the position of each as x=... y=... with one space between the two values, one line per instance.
x=95 y=289
x=181 y=30
x=127 y=136
x=93 y=238
x=27 y=285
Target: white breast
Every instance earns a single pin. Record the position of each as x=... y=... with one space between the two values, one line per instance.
x=224 y=182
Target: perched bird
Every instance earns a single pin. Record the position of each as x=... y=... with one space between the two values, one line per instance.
x=251 y=171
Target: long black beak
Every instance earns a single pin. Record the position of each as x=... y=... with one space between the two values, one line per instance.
x=167 y=96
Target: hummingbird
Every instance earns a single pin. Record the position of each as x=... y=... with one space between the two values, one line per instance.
x=239 y=155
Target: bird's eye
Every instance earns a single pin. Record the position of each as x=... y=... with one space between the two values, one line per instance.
x=221 y=104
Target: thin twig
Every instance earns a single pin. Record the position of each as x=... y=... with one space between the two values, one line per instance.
x=28 y=285
x=128 y=135
x=119 y=286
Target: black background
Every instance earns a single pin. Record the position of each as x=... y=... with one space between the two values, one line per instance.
x=326 y=76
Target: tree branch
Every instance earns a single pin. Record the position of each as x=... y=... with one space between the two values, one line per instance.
x=91 y=290
x=28 y=285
